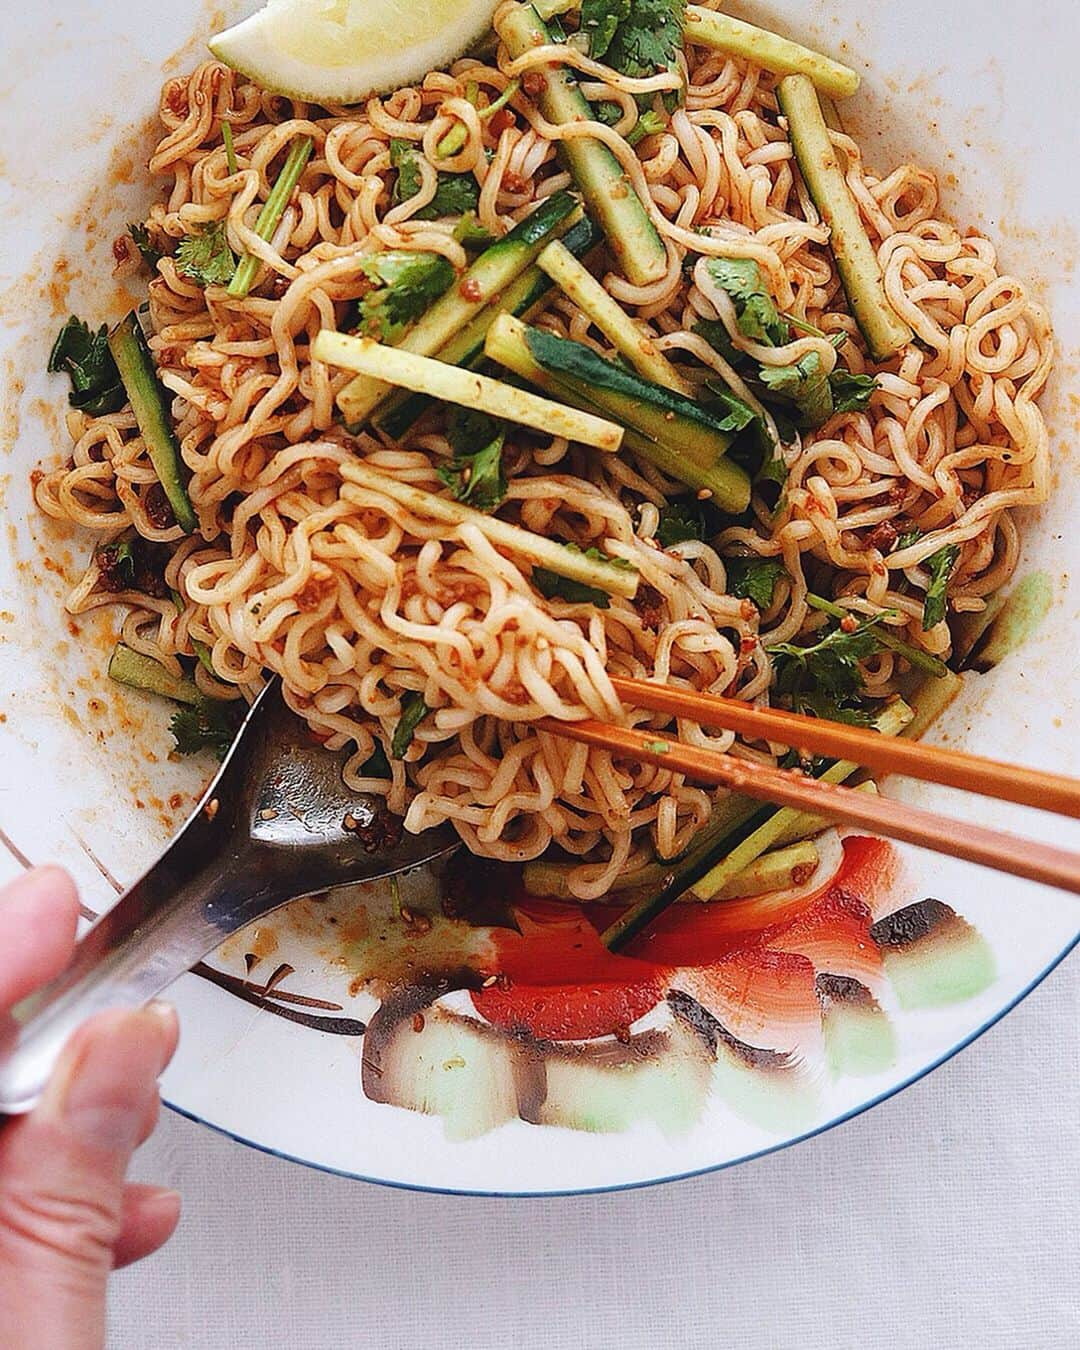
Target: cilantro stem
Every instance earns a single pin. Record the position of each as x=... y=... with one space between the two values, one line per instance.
x=455 y=138
x=919 y=659
x=230 y=148
x=270 y=215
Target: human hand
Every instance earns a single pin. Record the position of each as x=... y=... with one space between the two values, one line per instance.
x=66 y=1215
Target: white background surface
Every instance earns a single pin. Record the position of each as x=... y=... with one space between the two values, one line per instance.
x=947 y=1217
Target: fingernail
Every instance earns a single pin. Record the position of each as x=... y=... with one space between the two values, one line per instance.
x=102 y=1087
x=165 y=1015
x=160 y=1197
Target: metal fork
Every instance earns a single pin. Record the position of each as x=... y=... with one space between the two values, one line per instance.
x=277 y=823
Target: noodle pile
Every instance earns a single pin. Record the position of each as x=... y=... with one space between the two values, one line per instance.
x=355 y=601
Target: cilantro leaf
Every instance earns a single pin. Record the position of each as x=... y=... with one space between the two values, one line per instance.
x=716 y=335
x=471 y=234
x=648 y=124
x=636 y=37
x=404 y=286
x=140 y=237
x=774 y=470
x=552 y=586
x=906 y=540
x=823 y=678
x=680 y=521
x=455 y=193
x=806 y=384
x=119 y=559
x=607 y=112
x=851 y=393
x=208 y=725
x=475 y=474
x=205 y=257
x=413 y=712
x=940 y=566
x=758 y=317
x=731 y=412
x=754 y=578
x=88 y=363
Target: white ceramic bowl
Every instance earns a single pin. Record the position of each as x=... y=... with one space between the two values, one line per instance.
x=84 y=778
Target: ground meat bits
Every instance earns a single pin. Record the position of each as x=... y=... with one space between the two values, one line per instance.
x=649 y=604
x=133 y=564
x=882 y=537
x=157 y=508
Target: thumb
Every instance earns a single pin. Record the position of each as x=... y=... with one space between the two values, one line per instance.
x=62 y=1178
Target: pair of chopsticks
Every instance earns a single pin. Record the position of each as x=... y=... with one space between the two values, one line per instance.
x=895 y=820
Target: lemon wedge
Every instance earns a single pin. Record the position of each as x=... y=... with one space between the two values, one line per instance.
x=339 y=51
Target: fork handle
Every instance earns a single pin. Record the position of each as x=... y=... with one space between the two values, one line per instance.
x=194 y=896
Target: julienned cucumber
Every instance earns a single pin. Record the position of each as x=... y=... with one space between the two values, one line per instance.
x=521 y=298
x=712 y=862
x=632 y=237
x=138 y=671
x=670 y=431
x=147 y=399
x=856 y=261
x=723 y=33
x=489 y=275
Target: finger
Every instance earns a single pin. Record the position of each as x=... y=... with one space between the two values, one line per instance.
x=148 y=1218
x=62 y=1167
x=38 y=915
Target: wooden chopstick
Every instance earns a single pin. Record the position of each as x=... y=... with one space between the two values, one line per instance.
x=883 y=754
x=881 y=815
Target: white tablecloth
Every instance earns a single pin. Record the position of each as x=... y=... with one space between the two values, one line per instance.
x=945 y=1218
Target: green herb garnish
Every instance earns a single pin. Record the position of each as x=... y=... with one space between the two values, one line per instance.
x=475 y=474
x=230 y=148
x=757 y=315
x=636 y=37
x=205 y=257
x=940 y=566
x=207 y=725
x=851 y=393
x=680 y=521
x=413 y=712
x=648 y=124
x=404 y=286
x=823 y=678
x=140 y=236
x=754 y=578
x=805 y=384
x=86 y=359
x=455 y=193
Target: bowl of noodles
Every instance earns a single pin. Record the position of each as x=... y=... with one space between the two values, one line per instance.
x=842 y=412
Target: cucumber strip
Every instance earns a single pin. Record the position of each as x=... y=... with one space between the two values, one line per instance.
x=772 y=872
x=708 y=867
x=147 y=398
x=622 y=331
x=608 y=576
x=466 y=388
x=137 y=671
x=802 y=824
x=522 y=298
x=856 y=259
x=615 y=205
x=928 y=698
x=929 y=665
x=489 y=275
x=779 y=870
x=722 y=33
x=270 y=215
x=668 y=430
